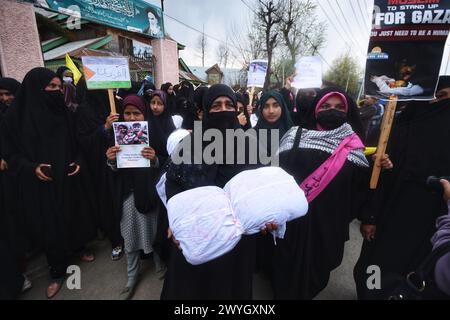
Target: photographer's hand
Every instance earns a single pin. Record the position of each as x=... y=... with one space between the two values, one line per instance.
x=446 y=186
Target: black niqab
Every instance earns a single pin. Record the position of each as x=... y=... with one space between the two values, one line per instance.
x=352 y=113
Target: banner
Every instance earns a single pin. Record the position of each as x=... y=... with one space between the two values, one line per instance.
x=106 y=72
x=132 y=137
x=142 y=50
x=131 y=15
x=308 y=72
x=406 y=46
x=257 y=73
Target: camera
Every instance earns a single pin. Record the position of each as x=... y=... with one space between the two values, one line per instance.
x=434 y=183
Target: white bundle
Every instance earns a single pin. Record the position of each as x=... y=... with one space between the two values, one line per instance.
x=209 y=221
x=172 y=142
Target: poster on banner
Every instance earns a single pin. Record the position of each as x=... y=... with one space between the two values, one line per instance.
x=308 y=72
x=106 y=72
x=130 y=15
x=257 y=73
x=406 y=47
x=132 y=137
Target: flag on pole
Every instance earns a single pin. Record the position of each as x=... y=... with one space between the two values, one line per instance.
x=71 y=65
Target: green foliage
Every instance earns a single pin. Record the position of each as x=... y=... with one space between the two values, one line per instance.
x=346 y=73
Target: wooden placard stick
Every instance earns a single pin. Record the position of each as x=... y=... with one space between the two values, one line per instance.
x=112 y=101
x=386 y=126
x=250 y=98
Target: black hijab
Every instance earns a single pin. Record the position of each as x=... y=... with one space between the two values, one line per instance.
x=352 y=113
x=191 y=175
x=244 y=100
x=166 y=86
x=171 y=98
x=199 y=93
x=185 y=105
x=12 y=86
x=285 y=121
x=60 y=72
x=186 y=90
x=160 y=126
x=219 y=120
x=303 y=103
x=95 y=103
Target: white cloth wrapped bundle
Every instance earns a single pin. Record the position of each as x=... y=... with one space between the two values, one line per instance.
x=172 y=142
x=209 y=221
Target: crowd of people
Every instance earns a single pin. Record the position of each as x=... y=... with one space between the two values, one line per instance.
x=60 y=185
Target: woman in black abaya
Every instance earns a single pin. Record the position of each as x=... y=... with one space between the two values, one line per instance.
x=398 y=240
x=12 y=244
x=171 y=97
x=274 y=121
x=336 y=191
x=229 y=276
x=39 y=145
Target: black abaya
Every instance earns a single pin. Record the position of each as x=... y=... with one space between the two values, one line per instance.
x=314 y=244
x=407 y=210
x=230 y=276
x=39 y=129
x=94 y=141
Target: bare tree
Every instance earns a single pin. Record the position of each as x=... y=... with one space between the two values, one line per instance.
x=281 y=31
x=302 y=35
x=223 y=53
x=202 y=45
x=268 y=16
x=302 y=32
x=245 y=43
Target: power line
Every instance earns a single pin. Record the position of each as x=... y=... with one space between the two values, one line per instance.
x=363 y=27
x=227 y=44
x=364 y=30
x=362 y=12
x=339 y=22
x=200 y=32
x=332 y=23
x=251 y=9
x=347 y=23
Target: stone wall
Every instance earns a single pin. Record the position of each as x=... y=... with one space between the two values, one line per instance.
x=20 y=47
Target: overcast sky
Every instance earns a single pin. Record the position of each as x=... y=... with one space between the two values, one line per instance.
x=343 y=34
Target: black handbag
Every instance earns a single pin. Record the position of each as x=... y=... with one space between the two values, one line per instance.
x=418 y=284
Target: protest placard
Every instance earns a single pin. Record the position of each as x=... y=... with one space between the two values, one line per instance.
x=132 y=137
x=308 y=72
x=406 y=47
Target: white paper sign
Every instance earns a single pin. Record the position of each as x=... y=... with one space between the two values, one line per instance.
x=308 y=73
x=257 y=73
x=132 y=137
x=106 y=72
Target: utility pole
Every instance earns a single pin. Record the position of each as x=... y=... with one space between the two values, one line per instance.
x=203 y=46
x=162 y=5
x=348 y=66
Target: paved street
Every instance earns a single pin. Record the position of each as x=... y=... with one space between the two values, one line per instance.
x=103 y=279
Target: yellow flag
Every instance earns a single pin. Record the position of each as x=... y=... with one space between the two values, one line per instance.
x=370 y=151
x=73 y=68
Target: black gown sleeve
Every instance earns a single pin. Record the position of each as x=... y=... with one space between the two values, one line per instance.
x=364 y=205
